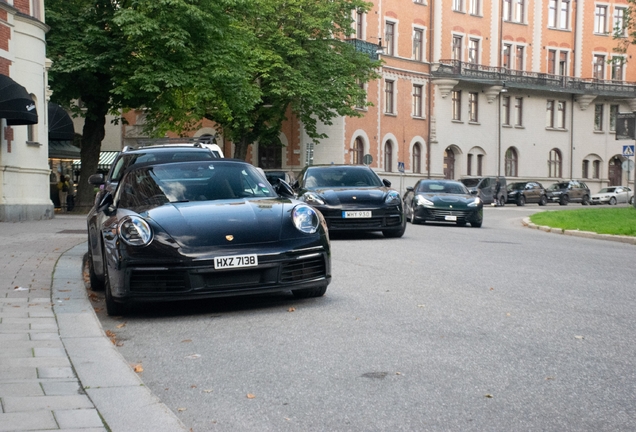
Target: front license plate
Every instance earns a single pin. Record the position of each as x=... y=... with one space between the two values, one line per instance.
x=356 y=214
x=235 y=261
x=451 y=218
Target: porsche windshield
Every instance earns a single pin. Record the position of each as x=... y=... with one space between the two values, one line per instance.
x=151 y=186
x=341 y=177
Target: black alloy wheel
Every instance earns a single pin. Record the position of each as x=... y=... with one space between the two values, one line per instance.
x=564 y=200
x=521 y=200
x=543 y=200
x=112 y=307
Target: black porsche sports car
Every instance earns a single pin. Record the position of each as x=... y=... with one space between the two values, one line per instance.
x=443 y=201
x=200 y=229
x=352 y=198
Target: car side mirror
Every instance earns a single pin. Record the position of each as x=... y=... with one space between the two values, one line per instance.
x=474 y=192
x=96 y=179
x=283 y=189
x=409 y=188
x=386 y=182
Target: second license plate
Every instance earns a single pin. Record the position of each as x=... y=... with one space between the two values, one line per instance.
x=356 y=214
x=451 y=218
x=235 y=261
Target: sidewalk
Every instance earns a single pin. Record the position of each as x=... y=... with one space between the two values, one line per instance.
x=58 y=370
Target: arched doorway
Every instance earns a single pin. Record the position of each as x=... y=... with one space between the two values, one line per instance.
x=615 y=171
x=449 y=164
x=358 y=151
x=388 y=156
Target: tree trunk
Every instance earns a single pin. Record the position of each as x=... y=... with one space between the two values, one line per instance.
x=240 y=148
x=92 y=136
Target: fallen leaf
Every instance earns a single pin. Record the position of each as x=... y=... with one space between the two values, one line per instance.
x=20 y=289
x=207 y=391
x=488 y=395
x=398 y=373
x=250 y=396
x=186 y=340
x=549 y=378
x=193 y=356
x=181 y=409
x=421 y=306
x=492 y=289
x=65 y=290
x=508 y=314
x=138 y=368
x=193 y=386
x=291 y=309
x=121 y=325
x=579 y=337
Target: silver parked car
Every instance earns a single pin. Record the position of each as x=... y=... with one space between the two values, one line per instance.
x=613 y=195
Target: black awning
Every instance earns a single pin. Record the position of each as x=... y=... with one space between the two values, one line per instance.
x=63 y=150
x=16 y=105
x=60 y=124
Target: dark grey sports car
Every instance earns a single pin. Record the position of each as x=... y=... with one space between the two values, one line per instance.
x=352 y=198
x=193 y=230
x=443 y=201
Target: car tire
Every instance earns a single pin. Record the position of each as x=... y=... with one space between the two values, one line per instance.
x=113 y=308
x=564 y=200
x=612 y=201
x=412 y=219
x=543 y=200
x=585 y=200
x=631 y=201
x=521 y=200
x=97 y=283
x=310 y=292
x=395 y=233
x=475 y=224
x=461 y=223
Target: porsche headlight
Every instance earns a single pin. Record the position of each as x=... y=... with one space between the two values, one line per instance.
x=134 y=231
x=392 y=198
x=312 y=198
x=305 y=219
x=421 y=201
x=475 y=203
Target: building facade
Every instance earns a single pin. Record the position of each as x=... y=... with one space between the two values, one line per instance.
x=24 y=170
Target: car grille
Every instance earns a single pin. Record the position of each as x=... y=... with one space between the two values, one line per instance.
x=441 y=214
x=158 y=281
x=300 y=270
x=366 y=223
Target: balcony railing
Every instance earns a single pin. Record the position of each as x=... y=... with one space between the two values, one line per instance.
x=532 y=80
x=365 y=47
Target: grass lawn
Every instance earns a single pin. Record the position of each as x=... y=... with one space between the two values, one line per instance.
x=616 y=221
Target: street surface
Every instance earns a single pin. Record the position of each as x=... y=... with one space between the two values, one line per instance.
x=499 y=328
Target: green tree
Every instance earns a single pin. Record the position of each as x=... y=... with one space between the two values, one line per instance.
x=284 y=55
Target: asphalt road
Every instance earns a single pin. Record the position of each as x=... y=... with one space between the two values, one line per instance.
x=499 y=328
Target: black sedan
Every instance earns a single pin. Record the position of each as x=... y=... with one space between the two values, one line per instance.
x=443 y=201
x=201 y=229
x=521 y=193
x=352 y=198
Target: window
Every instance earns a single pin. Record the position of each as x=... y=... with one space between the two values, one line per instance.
x=559 y=14
x=469 y=164
x=617 y=68
x=457 y=47
x=554 y=164
x=507 y=51
x=473 y=51
x=598 y=117
x=458 y=5
x=417 y=158
x=596 y=169
x=417 y=101
x=585 y=169
x=600 y=19
x=549 y=114
x=359 y=24
x=518 y=111
x=519 y=12
x=388 y=156
x=473 y=107
x=457 y=105
x=358 y=151
x=475 y=7
x=507 y=10
x=418 y=38
x=560 y=120
x=389 y=37
x=552 y=62
x=599 y=66
x=618 y=27
x=612 y=119
x=480 y=160
x=511 y=163
x=519 y=58
x=388 y=94
x=563 y=63
x=506 y=111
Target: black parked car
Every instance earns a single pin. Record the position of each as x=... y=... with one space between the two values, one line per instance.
x=352 y=198
x=569 y=191
x=443 y=201
x=201 y=229
x=108 y=183
x=521 y=193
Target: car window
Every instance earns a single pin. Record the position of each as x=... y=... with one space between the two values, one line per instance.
x=485 y=182
x=152 y=186
x=470 y=182
x=341 y=177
